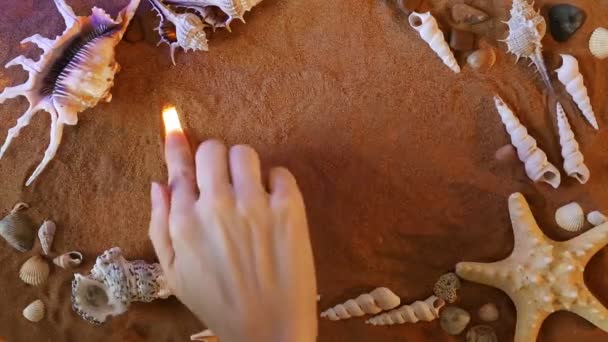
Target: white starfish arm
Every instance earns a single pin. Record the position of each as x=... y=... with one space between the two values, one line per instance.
x=491 y=274
x=526 y=231
x=42 y=42
x=529 y=321
x=587 y=244
x=588 y=307
x=26 y=63
x=23 y=121
x=55 y=140
x=66 y=12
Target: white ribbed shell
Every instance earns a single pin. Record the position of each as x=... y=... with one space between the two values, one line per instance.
x=598 y=43
x=35 y=311
x=570 y=217
x=34 y=271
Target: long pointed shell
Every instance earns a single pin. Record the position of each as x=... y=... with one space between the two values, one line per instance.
x=537 y=166
x=46 y=235
x=17 y=228
x=426 y=25
x=427 y=310
x=570 y=76
x=379 y=299
x=35 y=311
x=574 y=163
x=34 y=271
x=570 y=217
x=202 y=336
x=596 y=218
x=68 y=260
x=598 y=43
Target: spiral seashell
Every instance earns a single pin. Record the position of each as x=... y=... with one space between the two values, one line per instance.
x=570 y=217
x=598 y=43
x=537 y=166
x=34 y=271
x=379 y=299
x=427 y=310
x=17 y=228
x=35 y=311
x=68 y=260
x=453 y=320
x=596 y=218
x=217 y=13
x=574 y=164
x=426 y=25
x=447 y=287
x=46 y=235
x=570 y=76
x=481 y=333
x=488 y=312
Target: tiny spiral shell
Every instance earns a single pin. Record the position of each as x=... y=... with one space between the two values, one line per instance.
x=537 y=166
x=35 y=311
x=426 y=25
x=427 y=310
x=570 y=217
x=379 y=299
x=570 y=76
x=574 y=163
x=34 y=271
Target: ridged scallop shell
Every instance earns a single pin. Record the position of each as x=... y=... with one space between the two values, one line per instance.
x=596 y=218
x=570 y=217
x=74 y=73
x=17 y=228
x=34 y=271
x=453 y=320
x=68 y=260
x=46 y=235
x=35 y=311
x=598 y=43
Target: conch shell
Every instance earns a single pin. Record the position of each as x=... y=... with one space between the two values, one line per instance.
x=570 y=217
x=74 y=73
x=185 y=30
x=526 y=30
x=570 y=76
x=574 y=163
x=598 y=43
x=17 y=228
x=217 y=13
x=35 y=271
x=426 y=25
x=68 y=260
x=46 y=235
x=35 y=311
x=114 y=283
x=427 y=310
x=538 y=168
x=374 y=302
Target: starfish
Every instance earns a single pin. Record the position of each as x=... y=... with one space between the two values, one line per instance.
x=541 y=275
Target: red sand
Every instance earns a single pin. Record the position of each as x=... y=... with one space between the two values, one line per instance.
x=393 y=151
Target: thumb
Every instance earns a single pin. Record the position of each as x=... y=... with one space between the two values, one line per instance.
x=159 y=226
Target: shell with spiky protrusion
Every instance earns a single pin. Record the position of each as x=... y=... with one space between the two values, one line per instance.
x=574 y=162
x=217 y=13
x=185 y=30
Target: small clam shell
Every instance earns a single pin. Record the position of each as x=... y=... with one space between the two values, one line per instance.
x=68 y=260
x=598 y=43
x=17 y=229
x=453 y=320
x=596 y=218
x=481 y=333
x=46 y=235
x=482 y=59
x=488 y=312
x=34 y=271
x=35 y=311
x=447 y=286
x=570 y=217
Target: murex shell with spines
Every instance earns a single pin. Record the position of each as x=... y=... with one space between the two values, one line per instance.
x=231 y=9
x=74 y=73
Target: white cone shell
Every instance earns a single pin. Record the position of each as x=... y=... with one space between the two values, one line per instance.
x=34 y=271
x=598 y=43
x=570 y=76
x=427 y=311
x=46 y=235
x=430 y=33
x=35 y=311
x=537 y=166
x=596 y=218
x=574 y=163
x=570 y=217
x=369 y=303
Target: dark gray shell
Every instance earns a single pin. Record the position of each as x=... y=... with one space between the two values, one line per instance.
x=18 y=230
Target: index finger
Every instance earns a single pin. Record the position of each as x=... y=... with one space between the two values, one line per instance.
x=180 y=163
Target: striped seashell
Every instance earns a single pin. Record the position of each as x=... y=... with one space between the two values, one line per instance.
x=17 y=228
x=429 y=31
x=34 y=271
x=570 y=217
x=570 y=76
x=35 y=311
x=426 y=311
x=596 y=218
x=46 y=235
x=598 y=43
x=379 y=299
x=68 y=260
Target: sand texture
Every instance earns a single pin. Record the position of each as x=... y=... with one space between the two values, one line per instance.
x=393 y=151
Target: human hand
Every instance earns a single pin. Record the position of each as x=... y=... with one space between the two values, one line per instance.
x=238 y=256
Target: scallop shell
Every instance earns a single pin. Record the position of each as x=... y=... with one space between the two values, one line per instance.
x=74 y=73
x=35 y=311
x=488 y=312
x=429 y=31
x=570 y=217
x=34 y=271
x=17 y=229
x=46 y=235
x=482 y=59
x=596 y=218
x=453 y=320
x=598 y=43
x=481 y=333
x=68 y=260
